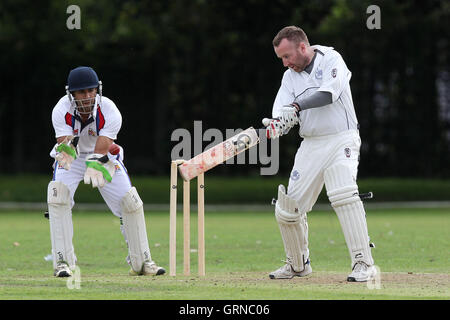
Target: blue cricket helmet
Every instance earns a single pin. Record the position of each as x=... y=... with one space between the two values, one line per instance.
x=82 y=78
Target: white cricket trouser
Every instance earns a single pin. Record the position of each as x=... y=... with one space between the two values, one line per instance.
x=314 y=156
x=112 y=192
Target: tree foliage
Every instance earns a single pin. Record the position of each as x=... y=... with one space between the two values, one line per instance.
x=169 y=63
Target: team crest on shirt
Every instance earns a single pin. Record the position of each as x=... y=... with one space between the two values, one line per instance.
x=347 y=152
x=295 y=175
x=91 y=132
x=334 y=72
x=117 y=167
x=318 y=74
x=75 y=132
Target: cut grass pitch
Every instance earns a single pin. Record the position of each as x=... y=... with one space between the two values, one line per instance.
x=241 y=249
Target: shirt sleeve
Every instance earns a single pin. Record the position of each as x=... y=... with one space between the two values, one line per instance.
x=113 y=122
x=284 y=96
x=336 y=75
x=62 y=122
x=316 y=100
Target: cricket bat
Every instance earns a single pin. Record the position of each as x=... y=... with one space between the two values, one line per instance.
x=218 y=154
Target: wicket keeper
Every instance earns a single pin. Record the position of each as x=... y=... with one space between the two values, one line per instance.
x=315 y=94
x=86 y=124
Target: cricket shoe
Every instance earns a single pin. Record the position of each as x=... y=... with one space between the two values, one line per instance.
x=62 y=270
x=286 y=271
x=149 y=268
x=362 y=272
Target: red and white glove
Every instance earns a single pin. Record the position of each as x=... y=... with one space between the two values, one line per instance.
x=274 y=128
x=289 y=114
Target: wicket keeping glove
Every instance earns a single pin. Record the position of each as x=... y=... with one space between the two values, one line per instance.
x=289 y=114
x=99 y=170
x=67 y=151
x=274 y=128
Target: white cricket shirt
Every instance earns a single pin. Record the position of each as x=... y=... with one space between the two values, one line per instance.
x=330 y=74
x=105 y=121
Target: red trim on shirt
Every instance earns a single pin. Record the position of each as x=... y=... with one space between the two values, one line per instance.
x=69 y=119
x=100 y=119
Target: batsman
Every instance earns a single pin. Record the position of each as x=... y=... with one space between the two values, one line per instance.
x=86 y=123
x=315 y=94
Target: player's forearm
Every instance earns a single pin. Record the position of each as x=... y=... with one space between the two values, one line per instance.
x=102 y=145
x=61 y=139
x=316 y=100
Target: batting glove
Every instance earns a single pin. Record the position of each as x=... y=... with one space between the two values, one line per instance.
x=274 y=128
x=99 y=170
x=289 y=114
x=67 y=151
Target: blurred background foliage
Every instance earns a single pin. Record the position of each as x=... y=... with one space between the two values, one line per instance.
x=168 y=63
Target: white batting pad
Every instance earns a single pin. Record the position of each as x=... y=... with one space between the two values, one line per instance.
x=61 y=226
x=135 y=229
x=343 y=194
x=293 y=229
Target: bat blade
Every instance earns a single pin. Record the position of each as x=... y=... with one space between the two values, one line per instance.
x=219 y=154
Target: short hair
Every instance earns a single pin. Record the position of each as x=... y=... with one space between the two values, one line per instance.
x=291 y=33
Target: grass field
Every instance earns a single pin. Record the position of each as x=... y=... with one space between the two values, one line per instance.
x=241 y=249
x=222 y=189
